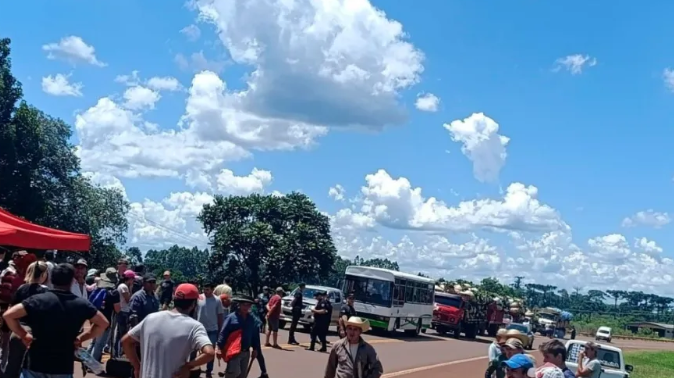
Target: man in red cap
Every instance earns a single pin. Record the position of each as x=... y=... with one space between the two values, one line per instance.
x=167 y=338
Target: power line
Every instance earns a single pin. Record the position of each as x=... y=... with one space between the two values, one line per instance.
x=188 y=238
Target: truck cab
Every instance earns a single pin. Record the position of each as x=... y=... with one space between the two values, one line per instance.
x=547 y=320
x=611 y=359
x=448 y=313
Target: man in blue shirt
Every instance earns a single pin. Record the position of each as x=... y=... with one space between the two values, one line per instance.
x=144 y=302
x=241 y=320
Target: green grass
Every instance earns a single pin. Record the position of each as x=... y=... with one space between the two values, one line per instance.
x=651 y=364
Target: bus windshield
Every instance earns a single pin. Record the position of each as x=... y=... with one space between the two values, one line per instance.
x=369 y=290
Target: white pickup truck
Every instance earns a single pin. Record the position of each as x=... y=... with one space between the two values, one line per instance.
x=611 y=359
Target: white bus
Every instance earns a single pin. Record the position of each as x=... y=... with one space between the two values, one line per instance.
x=391 y=300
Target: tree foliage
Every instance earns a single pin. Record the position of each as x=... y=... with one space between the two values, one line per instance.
x=41 y=177
x=268 y=240
x=185 y=264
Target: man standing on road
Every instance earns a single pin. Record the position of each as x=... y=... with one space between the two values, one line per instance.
x=210 y=315
x=79 y=287
x=352 y=356
x=262 y=301
x=167 y=338
x=124 y=290
x=321 y=312
x=345 y=313
x=106 y=298
x=297 y=305
x=554 y=352
x=238 y=336
x=588 y=365
x=496 y=356
x=144 y=302
x=55 y=318
x=167 y=286
x=273 y=315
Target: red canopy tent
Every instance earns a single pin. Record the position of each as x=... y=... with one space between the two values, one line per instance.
x=18 y=232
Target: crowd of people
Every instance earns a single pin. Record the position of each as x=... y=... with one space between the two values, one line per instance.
x=507 y=358
x=171 y=330
x=165 y=330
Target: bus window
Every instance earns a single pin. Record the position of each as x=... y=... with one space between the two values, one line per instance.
x=372 y=291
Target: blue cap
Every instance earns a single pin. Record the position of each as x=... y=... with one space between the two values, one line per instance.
x=519 y=361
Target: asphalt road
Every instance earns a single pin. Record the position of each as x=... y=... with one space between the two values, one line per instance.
x=426 y=356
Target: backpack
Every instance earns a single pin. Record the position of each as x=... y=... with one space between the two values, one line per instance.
x=97 y=297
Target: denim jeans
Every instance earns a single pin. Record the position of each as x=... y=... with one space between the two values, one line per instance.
x=122 y=329
x=96 y=347
x=213 y=336
x=32 y=374
x=260 y=361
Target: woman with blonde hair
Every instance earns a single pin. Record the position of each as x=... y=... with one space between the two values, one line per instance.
x=36 y=275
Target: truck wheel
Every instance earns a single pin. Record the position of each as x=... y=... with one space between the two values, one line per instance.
x=441 y=330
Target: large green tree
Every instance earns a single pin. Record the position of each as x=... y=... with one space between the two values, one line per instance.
x=185 y=264
x=268 y=240
x=41 y=178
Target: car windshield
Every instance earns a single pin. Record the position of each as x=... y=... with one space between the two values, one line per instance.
x=546 y=316
x=448 y=301
x=308 y=292
x=369 y=290
x=520 y=327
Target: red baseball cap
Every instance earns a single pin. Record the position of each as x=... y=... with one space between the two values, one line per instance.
x=186 y=291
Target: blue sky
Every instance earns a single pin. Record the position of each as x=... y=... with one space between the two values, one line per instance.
x=591 y=139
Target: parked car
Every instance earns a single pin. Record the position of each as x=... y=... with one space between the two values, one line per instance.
x=611 y=359
x=524 y=329
x=603 y=333
x=336 y=298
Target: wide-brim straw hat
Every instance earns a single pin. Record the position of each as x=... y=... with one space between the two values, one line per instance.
x=515 y=334
x=356 y=321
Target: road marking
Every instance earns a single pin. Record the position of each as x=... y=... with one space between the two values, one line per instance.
x=424 y=368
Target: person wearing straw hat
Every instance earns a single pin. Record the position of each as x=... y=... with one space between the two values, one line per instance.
x=106 y=299
x=353 y=357
x=496 y=356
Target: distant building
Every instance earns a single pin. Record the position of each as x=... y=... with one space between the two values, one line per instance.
x=661 y=329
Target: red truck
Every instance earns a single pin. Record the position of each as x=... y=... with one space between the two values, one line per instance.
x=495 y=313
x=452 y=314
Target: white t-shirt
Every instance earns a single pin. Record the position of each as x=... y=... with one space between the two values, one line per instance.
x=123 y=304
x=353 y=350
x=79 y=291
x=166 y=340
x=50 y=267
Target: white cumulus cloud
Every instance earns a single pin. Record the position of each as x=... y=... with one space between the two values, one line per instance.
x=427 y=102
x=648 y=218
x=59 y=85
x=74 y=50
x=482 y=144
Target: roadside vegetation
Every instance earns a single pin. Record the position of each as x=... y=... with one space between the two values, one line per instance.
x=651 y=364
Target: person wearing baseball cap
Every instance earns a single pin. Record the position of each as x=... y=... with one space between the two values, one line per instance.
x=519 y=366
x=164 y=335
x=144 y=302
x=79 y=286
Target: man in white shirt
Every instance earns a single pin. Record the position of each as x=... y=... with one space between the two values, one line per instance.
x=167 y=338
x=124 y=290
x=79 y=287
